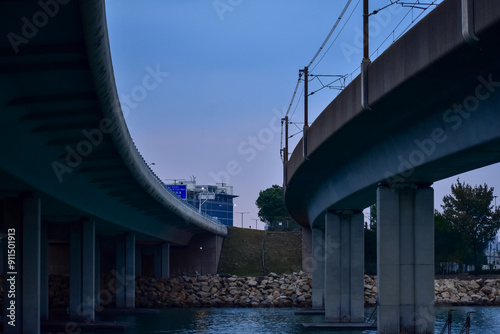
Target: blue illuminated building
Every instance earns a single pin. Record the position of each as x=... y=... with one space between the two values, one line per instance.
x=215 y=201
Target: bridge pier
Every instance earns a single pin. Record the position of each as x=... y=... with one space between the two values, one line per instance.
x=125 y=271
x=162 y=260
x=307 y=249
x=44 y=271
x=318 y=268
x=82 y=271
x=344 y=266
x=97 y=272
x=21 y=296
x=405 y=253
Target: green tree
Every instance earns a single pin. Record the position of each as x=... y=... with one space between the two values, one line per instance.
x=371 y=242
x=471 y=214
x=449 y=245
x=373 y=217
x=272 y=210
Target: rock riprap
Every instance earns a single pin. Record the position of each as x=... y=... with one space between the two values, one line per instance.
x=273 y=290
x=451 y=291
x=287 y=290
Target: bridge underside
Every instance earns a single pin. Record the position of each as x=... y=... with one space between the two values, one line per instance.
x=435 y=113
x=72 y=183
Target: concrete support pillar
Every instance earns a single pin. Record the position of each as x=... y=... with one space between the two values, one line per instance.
x=44 y=273
x=21 y=300
x=138 y=260
x=82 y=271
x=97 y=271
x=344 y=269
x=162 y=260
x=307 y=261
x=405 y=259
x=318 y=268
x=125 y=271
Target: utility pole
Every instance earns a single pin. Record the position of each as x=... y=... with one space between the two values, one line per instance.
x=306 y=95
x=255 y=222
x=285 y=153
x=286 y=139
x=366 y=49
x=366 y=58
x=242 y=213
x=306 y=112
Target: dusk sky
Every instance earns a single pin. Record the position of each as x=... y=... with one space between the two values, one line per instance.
x=224 y=74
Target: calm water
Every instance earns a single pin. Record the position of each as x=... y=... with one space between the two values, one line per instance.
x=269 y=321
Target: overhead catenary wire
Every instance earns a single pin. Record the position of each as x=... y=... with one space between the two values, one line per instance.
x=330 y=34
x=350 y=75
x=402 y=20
x=298 y=102
x=416 y=4
x=294 y=93
x=314 y=58
x=339 y=79
x=318 y=52
x=378 y=10
x=416 y=18
x=341 y=30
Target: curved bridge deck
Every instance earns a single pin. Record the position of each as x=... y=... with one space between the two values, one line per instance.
x=74 y=190
x=433 y=98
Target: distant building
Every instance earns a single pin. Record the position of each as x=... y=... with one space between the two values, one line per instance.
x=215 y=201
x=492 y=255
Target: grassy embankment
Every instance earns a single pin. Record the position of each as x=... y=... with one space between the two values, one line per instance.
x=255 y=252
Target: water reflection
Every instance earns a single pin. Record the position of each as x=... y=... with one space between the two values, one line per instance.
x=279 y=321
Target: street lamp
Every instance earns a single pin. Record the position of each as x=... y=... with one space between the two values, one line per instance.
x=203 y=191
x=242 y=213
x=256 y=219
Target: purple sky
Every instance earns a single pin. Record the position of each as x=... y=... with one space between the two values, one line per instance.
x=204 y=84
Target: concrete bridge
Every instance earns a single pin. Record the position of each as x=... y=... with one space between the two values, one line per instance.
x=74 y=190
x=432 y=111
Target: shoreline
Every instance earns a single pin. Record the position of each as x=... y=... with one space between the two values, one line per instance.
x=286 y=290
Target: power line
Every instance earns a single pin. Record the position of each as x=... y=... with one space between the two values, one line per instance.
x=294 y=92
x=402 y=20
x=333 y=42
x=331 y=32
x=417 y=4
x=378 y=10
x=394 y=30
x=414 y=5
x=415 y=19
x=340 y=79
x=300 y=98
